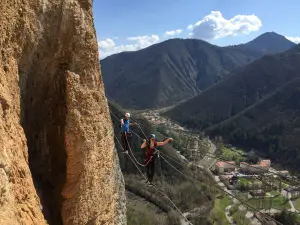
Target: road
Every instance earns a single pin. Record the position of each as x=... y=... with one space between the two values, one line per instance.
x=207 y=160
x=183 y=220
x=293 y=209
x=227 y=214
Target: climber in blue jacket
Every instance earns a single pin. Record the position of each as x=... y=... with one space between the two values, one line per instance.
x=125 y=126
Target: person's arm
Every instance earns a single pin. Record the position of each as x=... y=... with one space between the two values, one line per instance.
x=122 y=122
x=144 y=144
x=164 y=142
x=132 y=124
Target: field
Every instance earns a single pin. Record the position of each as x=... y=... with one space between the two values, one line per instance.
x=273 y=194
x=217 y=215
x=239 y=218
x=140 y=211
x=278 y=202
x=250 y=184
x=232 y=154
x=245 y=181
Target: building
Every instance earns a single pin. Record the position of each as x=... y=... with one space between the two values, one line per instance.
x=284 y=173
x=262 y=167
x=263 y=219
x=291 y=192
x=257 y=193
x=222 y=167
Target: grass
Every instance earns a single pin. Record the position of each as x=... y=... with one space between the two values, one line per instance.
x=296 y=203
x=278 y=202
x=234 y=209
x=140 y=211
x=242 y=195
x=217 y=215
x=232 y=155
x=239 y=218
x=244 y=181
x=284 y=185
x=137 y=215
x=275 y=193
x=250 y=183
x=298 y=218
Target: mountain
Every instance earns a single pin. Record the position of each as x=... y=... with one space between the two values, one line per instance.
x=255 y=107
x=176 y=70
x=270 y=126
x=270 y=43
x=239 y=90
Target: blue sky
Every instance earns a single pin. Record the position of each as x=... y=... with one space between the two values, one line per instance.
x=134 y=24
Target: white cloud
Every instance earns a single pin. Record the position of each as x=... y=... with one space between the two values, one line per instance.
x=294 y=39
x=106 y=44
x=215 y=25
x=190 y=27
x=144 y=41
x=108 y=47
x=173 y=33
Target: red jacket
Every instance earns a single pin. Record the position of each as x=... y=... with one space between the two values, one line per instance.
x=150 y=151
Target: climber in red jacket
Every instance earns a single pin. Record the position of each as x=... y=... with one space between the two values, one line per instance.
x=150 y=156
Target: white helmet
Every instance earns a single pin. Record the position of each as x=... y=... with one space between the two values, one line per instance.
x=127 y=115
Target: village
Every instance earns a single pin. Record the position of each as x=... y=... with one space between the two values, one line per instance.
x=258 y=180
x=258 y=185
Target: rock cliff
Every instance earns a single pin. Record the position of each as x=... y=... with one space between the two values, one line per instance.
x=57 y=158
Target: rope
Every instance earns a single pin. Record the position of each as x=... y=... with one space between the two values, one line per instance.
x=126 y=152
x=159 y=162
x=225 y=161
x=190 y=178
x=140 y=128
x=216 y=186
x=257 y=168
x=209 y=182
x=166 y=196
x=143 y=165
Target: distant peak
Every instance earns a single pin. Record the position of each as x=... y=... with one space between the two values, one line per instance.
x=270 y=34
x=270 y=43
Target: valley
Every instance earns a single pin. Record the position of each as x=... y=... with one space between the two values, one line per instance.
x=205 y=158
x=228 y=135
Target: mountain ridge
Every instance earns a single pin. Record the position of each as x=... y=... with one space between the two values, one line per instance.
x=254 y=107
x=234 y=93
x=269 y=126
x=171 y=71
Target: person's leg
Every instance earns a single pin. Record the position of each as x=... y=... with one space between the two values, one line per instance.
x=127 y=142
x=123 y=141
x=148 y=171
x=152 y=165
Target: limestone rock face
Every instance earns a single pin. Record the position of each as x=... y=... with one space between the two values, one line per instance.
x=57 y=159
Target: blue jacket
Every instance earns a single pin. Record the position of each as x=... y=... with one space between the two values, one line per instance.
x=125 y=127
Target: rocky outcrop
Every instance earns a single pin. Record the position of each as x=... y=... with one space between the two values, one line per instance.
x=54 y=117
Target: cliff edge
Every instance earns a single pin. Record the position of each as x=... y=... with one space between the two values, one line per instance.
x=57 y=159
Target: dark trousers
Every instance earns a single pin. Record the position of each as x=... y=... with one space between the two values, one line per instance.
x=125 y=141
x=150 y=169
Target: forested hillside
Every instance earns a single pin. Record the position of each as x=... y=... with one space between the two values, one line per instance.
x=255 y=107
x=239 y=91
x=272 y=127
x=178 y=69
